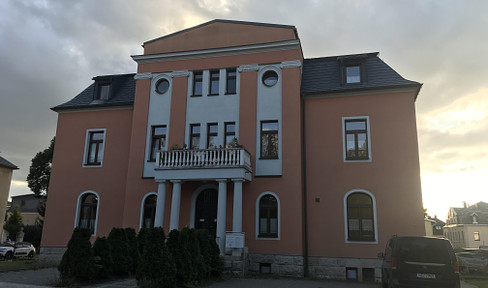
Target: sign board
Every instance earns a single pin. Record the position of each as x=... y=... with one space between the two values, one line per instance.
x=234 y=240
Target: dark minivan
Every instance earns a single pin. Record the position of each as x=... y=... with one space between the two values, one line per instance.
x=419 y=262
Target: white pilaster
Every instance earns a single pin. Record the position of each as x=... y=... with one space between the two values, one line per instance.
x=237 y=211
x=160 y=202
x=221 y=212
x=175 y=205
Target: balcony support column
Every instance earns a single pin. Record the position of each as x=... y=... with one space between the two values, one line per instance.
x=175 y=205
x=237 y=208
x=221 y=212
x=160 y=202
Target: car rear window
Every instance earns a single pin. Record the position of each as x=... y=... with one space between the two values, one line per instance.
x=423 y=250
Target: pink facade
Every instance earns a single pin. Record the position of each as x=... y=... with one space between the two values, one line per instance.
x=327 y=168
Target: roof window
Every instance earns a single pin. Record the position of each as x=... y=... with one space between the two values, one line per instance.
x=353 y=74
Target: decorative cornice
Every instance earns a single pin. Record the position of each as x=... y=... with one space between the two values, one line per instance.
x=143 y=76
x=180 y=73
x=291 y=64
x=245 y=68
x=224 y=51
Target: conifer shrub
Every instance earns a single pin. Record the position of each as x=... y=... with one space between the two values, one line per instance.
x=33 y=234
x=141 y=239
x=178 y=247
x=78 y=263
x=196 y=258
x=131 y=235
x=216 y=261
x=204 y=244
x=120 y=251
x=157 y=268
x=103 y=258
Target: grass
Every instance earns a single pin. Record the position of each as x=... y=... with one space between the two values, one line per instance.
x=22 y=264
x=476 y=280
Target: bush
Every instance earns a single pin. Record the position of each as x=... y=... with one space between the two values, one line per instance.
x=204 y=243
x=134 y=255
x=141 y=239
x=78 y=261
x=120 y=251
x=158 y=268
x=197 y=261
x=178 y=247
x=103 y=258
x=14 y=224
x=32 y=234
x=216 y=262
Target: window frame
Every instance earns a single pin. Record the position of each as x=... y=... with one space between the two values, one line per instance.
x=98 y=89
x=161 y=80
x=368 y=139
x=212 y=134
x=198 y=74
x=346 y=219
x=141 y=221
x=476 y=236
x=153 y=138
x=79 y=206
x=258 y=200
x=349 y=65
x=214 y=75
x=192 y=135
x=229 y=78
x=227 y=133
x=261 y=154
x=88 y=142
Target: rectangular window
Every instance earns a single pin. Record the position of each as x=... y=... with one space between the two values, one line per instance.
x=103 y=92
x=269 y=140
x=353 y=74
x=356 y=139
x=212 y=134
x=197 y=83
x=476 y=236
x=158 y=141
x=214 y=82
x=230 y=134
x=194 y=136
x=95 y=147
x=231 y=85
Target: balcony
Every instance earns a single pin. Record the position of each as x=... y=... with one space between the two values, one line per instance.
x=206 y=164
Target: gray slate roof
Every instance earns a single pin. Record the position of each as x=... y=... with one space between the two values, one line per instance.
x=465 y=215
x=323 y=75
x=123 y=91
x=5 y=163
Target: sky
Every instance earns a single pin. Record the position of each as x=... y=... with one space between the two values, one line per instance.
x=51 y=50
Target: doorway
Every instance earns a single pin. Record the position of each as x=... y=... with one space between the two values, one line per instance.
x=206 y=211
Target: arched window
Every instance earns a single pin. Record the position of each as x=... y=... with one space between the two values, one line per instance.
x=87 y=213
x=268 y=216
x=360 y=212
x=149 y=211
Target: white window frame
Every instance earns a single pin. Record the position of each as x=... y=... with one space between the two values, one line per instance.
x=375 y=220
x=87 y=140
x=77 y=215
x=368 y=132
x=257 y=215
x=142 y=207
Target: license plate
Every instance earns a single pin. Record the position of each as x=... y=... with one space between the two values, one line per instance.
x=425 y=276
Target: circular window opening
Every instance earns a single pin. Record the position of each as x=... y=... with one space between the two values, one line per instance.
x=162 y=86
x=270 y=78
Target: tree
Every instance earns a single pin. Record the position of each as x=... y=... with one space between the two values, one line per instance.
x=39 y=175
x=78 y=262
x=14 y=224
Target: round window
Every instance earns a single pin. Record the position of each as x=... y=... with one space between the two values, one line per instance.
x=270 y=78
x=162 y=86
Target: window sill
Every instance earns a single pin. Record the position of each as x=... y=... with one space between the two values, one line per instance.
x=267 y=238
x=213 y=94
x=373 y=242
x=88 y=165
x=268 y=158
x=227 y=93
x=196 y=96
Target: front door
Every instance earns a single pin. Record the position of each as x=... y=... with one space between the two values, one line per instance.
x=206 y=211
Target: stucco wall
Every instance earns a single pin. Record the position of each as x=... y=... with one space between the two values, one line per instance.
x=5 y=179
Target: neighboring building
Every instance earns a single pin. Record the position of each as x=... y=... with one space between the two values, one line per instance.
x=434 y=227
x=314 y=162
x=6 y=170
x=28 y=206
x=467 y=227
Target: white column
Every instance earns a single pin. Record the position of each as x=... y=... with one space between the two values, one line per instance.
x=175 y=205
x=237 y=211
x=159 y=217
x=221 y=212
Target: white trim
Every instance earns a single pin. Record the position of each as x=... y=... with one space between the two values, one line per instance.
x=373 y=199
x=250 y=67
x=180 y=73
x=291 y=64
x=85 y=153
x=216 y=52
x=370 y=157
x=193 y=202
x=77 y=213
x=142 y=207
x=257 y=216
x=143 y=76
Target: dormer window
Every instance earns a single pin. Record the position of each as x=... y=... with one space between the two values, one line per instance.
x=103 y=92
x=353 y=74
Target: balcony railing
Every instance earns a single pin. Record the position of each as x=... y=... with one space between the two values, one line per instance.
x=206 y=158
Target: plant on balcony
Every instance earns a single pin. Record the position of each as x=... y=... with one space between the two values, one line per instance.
x=175 y=147
x=233 y=144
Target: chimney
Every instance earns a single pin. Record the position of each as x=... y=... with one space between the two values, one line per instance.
x=465 y=205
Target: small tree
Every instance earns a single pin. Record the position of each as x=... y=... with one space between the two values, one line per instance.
x=14 y=224
x=78 y=262
x=178 y=247
x=120 y=251
x=32 y=234
x=103 y=257
x=134 y=255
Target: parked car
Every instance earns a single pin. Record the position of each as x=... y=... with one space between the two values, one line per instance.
x=470 y=261
x=419 y=262
x=6 y=251
x=24 y=249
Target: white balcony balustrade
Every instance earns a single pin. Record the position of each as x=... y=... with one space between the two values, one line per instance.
x=207 y=158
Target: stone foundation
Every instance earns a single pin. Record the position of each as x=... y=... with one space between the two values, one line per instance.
x=337 y=268
x=51 y=255
x=283 y=265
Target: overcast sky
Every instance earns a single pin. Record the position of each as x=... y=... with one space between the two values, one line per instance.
x=50 y=51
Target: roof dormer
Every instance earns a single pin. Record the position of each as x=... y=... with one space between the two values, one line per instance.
x=103 y=89
x=352 y=69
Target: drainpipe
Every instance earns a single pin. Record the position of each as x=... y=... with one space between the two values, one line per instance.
x=304 y=195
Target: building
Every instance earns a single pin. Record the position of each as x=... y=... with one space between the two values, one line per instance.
x=434 y=227
x=467 y=227
x=6 y=171
x=28 y=206
x=302 y=166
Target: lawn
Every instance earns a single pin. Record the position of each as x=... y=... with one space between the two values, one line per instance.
x=21 y=264
x=478 y=281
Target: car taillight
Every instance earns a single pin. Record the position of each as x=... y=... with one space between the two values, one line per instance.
x=456 y=267
x=393 y=263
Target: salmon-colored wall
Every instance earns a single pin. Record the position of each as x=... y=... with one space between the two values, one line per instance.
x=69 y=179
x=178 y=111
x=210 y=36
x=392 y=176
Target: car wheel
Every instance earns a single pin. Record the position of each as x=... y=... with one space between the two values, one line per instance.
x=31 y=254
x=9 y=256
